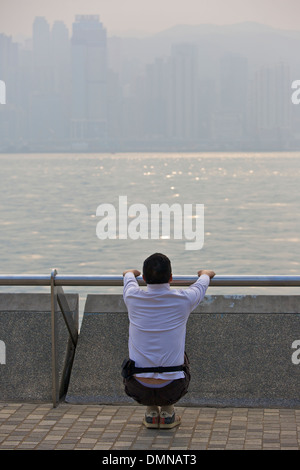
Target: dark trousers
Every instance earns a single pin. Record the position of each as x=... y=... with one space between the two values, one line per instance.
x=168 y=395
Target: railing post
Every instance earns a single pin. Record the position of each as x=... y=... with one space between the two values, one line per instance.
x=54 y=335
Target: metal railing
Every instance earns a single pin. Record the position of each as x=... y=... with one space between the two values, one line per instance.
x=117 y=280
x=59 y=300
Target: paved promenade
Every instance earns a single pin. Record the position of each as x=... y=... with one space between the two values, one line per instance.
x=98 y=427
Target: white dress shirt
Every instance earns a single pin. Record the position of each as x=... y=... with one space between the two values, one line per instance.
x=158 y=318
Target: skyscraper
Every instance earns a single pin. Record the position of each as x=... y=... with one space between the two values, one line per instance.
x=41 y=99
x=61 y=81
x=230 y=120
x=89 y=82
x=271 y=103
x=42 y=55
x=182 y=110
x=9 y=61
x=156 y=99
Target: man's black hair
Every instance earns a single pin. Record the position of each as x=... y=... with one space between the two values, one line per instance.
x=157 y=269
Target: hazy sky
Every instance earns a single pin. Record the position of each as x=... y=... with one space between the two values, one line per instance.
x=118 y=16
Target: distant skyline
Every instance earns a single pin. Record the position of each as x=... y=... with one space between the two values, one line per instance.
x=142 y=17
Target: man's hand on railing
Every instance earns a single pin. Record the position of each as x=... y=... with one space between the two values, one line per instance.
x=134 y=271
x=211 y=274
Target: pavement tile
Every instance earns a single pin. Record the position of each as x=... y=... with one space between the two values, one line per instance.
x=103 y=427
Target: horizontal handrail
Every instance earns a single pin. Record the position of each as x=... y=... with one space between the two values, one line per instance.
x=117 y=280
x=25 y=280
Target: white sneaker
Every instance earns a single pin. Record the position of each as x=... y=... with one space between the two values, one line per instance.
x=151 y=420
x=168 y=421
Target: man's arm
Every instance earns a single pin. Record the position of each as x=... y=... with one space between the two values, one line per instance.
x=210 y=274
x=196 y=291
x=133 y=271
x=130 y=282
